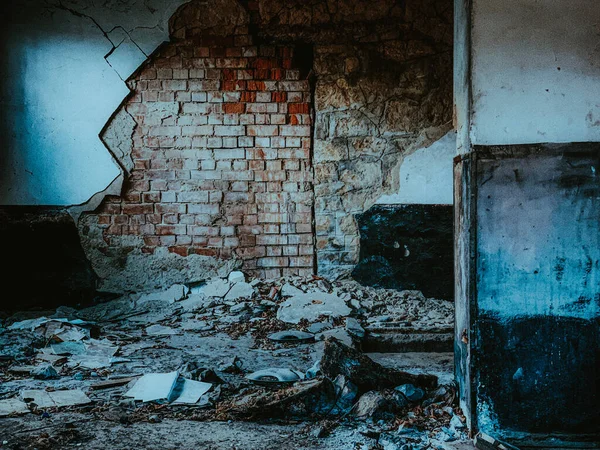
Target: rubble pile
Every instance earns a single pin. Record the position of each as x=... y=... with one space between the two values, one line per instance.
x=285 y=351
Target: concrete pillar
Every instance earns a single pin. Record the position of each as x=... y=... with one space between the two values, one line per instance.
x=527 y=219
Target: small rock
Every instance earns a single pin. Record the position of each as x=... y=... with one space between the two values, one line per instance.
x=456 y=423
x=339 y=334
x=314 y=371
x=353 y=327
x=288 y=290
x=268 y=303
x=171 y=295
x=154 y=419
x=412 y=393
x=215 y=288
x=78 y=376
x=321 y=431
x=239 y=307
x=236 y=277
x=317 y=327
x=44 y=372
x=234 y=366
x=240 y=290
x=311 y=306
x=378 y=405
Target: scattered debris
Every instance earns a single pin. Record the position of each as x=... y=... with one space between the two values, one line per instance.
x=379 y=405
x=311 y=306
x=54 y=399
x=177 y=354
x=412 y=394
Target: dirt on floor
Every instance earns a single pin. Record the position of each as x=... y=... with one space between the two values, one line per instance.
x=70 y=376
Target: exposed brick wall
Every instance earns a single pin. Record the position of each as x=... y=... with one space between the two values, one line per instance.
x=221 y=157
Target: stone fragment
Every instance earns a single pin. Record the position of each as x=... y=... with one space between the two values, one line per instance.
x=44 y=372
x=236 y=277
x=288 y=290
x=194 y=302
x=171 y=295
x=239 y=307
x=353 y=327
x=338 y=333
x=318 y=327
x=240 y=290
x=215 y=288
x=311 y=306
x=413 y=394
x=379 y=405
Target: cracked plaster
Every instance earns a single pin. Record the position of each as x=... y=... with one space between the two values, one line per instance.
x=66 y=62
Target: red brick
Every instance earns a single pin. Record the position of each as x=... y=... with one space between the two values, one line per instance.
x=298 y=108
x=179 y=250
x=234 y=108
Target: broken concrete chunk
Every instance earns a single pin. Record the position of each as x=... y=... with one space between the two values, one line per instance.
x=54 y=399
x=171 y=295
x=318 y=327
x=12 y=406
x=311 y=306
x=44 y=372
x=364 y=372
x=377 y=405
x=353 y=327
x=288 y=290
x=240 y=290
x=215 y=288
x=236 y=277
x=338 y=333
x=195 y=302
x=239 y=307
x=412 y=393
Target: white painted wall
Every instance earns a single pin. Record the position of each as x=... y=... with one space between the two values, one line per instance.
x=61 y=80
x=535 y=71
x=426 y=175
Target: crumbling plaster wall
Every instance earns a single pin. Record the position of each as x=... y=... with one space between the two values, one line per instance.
x=383 y=90
x=221 y=159
x=65 y=62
